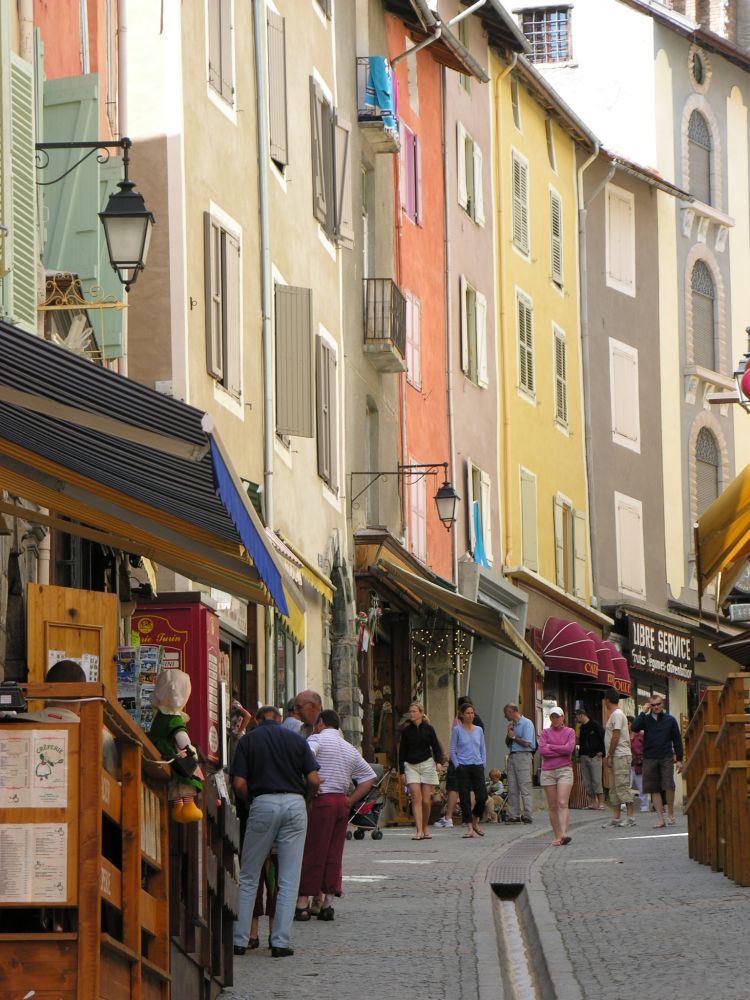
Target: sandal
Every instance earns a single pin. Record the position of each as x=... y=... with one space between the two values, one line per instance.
x=418 y=836
x=467 y=836
x=671 y=821
x=557 y=843
x=565 y=840
x=659 y=826
x=302 y=913
x=479 y=832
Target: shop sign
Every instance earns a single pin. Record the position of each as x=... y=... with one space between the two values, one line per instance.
x=660 y=649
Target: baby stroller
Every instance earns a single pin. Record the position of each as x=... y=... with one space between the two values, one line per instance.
x=365 y=815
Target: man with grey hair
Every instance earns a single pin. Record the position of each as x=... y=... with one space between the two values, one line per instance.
x=308 y=705
x=521 y=743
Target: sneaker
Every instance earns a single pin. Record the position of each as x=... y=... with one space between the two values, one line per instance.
x=612 y=822
x=628 y=821
x=444 y=823
x=526 y=819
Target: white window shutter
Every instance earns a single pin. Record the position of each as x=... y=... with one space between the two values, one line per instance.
x=485 y=486
x=213 y=292
x=481 y=326
x=579 y=554
x=464 y=326
x=232 y=291
x=630 y=554
x=529 y=545
x=22 y=175
x=470 y=504
x=478 y=193
x=418 y=180
x=463 y=194
x=342 y=182
x=416 y=326
x=556 y=238
x=559 y=519
x=626 y=425
x=520 y=204
x=560 y=362
x=409 y=337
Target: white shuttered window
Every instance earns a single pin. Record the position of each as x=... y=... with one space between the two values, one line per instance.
x=529 y=544
x=525 y=321
x=623 y=387
x=560 y=363
x=418 y=515
x=631 y=567
x=520 y=181
x=223 y=286
x=556 y=238
x=620 y=235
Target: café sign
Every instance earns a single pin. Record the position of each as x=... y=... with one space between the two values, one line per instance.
x=660 y=649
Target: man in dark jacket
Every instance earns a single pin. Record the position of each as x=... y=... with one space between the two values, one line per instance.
x=591 y=755
x=662 y=753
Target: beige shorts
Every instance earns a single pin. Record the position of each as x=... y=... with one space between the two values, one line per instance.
x=421 y=774
x=619 y=781
x=556 y=776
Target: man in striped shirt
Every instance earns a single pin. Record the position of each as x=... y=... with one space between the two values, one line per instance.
x=340 y=764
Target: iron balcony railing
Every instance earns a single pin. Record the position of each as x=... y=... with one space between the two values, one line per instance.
x=385 y=314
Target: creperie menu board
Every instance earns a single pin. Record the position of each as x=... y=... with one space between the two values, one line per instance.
x=660 y=649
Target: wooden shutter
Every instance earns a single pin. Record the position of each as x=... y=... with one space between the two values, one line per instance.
x=463 y=196
x=326 y=410
x=707 y=460
x=699 y=152
x=526 y=373
x=470 y=505
x=529 y=546
x=630 y=555
x=463 y=287
x=417 y=180
x=232 y=277
x=227 y=78
x=620 y=239
x=579 y=554
x=561 y=377
x=408 y=194
x=624 y=392
x=213 y=296
x=277 y=110
x=418 y=515
x=342 y=181
x=319 y=129
x=704 y=330
x=478 y=190
x=559 y=523
x=294 y=361
x=485 y=489
x=214 y=44
x=333 y=479
x=481 y=328
x=409 y=337
x=556 y=238
x=414 y=319
x=520 y=180
x=22 y=221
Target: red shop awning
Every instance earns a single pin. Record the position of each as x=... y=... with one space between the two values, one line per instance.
x=567 y=648
x=622 y=673
x=604 y=656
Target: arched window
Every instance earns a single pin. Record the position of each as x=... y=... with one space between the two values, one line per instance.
x=704 y=317
x=699 y=146
x=706 y=469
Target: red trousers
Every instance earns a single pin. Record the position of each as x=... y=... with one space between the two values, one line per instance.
x=324 y=846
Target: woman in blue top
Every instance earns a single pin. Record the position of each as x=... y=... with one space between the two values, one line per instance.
x=469 y=758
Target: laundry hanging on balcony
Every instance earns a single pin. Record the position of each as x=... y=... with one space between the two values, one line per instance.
x=381 y=92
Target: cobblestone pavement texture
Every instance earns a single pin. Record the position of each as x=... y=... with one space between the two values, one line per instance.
x=637 y=917
x=617 y=911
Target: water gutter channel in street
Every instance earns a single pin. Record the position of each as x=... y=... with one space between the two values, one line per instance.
x=524 y=967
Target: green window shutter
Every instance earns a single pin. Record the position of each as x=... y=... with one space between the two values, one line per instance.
x=23 y=193
x=294 y=361
x=579 y=554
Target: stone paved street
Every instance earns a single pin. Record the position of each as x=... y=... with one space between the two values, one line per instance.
x=416 y=917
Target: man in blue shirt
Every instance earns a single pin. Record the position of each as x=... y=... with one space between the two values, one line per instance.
x=275 y=771
x=521 y=743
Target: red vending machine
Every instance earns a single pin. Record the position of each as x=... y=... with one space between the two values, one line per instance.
x=188 y=632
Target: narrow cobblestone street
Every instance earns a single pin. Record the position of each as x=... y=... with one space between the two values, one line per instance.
x=416 y=918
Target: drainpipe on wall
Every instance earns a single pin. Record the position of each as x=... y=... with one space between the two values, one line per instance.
x=501 y=381
x=585 y=358
x=449 y=319
x=122 y=126
x=265 y=301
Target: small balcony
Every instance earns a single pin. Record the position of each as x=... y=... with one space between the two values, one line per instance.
x=385 y=325
x=376 y=103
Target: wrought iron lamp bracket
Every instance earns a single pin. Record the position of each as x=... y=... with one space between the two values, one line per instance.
x=103 y=146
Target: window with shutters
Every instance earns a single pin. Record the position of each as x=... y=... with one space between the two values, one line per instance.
x=520 y=181
x=560 y=368
x=418 y=514
x=556 y=238
x=330 y=146
x=631 y=565
x=525 y=324
x=548 y=32
x=707 y=460
x=326 y=6
x=277 y=110
x=464 y=80
x=293 y=328
x=620 y=240
x=410 y=163
x=529 y=543
x=515 y=102
x=413 y=340
x=473 y=334
x=700 y=146
x=571 y=547
x=326 y=405
x=221 y=49
x=624 y=396
x=551 y=155
x=470 y=191
x=703 y=300
x=479 y=512
x=222 y=272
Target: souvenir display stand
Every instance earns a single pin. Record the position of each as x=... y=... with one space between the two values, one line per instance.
x=84 y=854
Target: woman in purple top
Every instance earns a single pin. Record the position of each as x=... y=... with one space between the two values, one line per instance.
x=469 y=758
x=556 y=746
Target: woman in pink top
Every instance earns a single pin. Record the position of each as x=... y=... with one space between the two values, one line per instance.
x=556 y=746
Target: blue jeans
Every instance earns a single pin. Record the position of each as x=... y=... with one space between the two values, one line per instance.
x=281 y=820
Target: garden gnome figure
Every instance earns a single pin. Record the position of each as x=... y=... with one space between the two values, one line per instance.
x=170 y=736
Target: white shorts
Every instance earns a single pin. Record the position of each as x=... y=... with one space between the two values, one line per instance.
x=556 y=776
x=421 y=774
